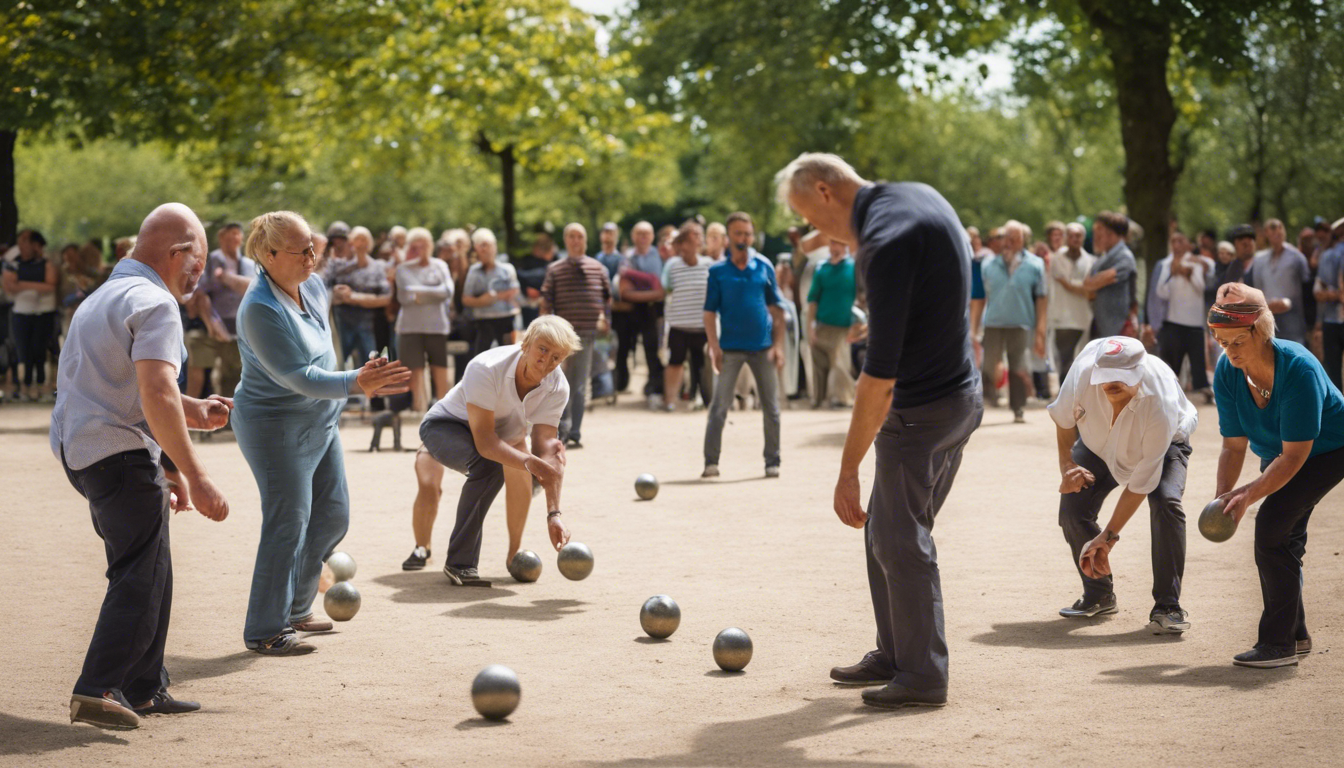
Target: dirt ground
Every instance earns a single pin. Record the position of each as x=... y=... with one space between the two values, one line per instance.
x=392 y=686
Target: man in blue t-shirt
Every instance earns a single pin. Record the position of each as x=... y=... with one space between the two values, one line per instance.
x=743 y=295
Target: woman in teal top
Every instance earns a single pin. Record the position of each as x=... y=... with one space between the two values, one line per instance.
x=1275 y=397
x=286 y=415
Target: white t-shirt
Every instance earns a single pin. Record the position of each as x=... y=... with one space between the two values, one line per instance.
x=1066 y=309
x=489 y=383
x=1135 y=448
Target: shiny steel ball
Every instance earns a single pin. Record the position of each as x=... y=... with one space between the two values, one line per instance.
x=660 y=616
x=732 y=650
x=575 y=561
x=342 y=566
x=495 y=692
x=1214 y=524
x=646 y=486
x=342 y=601
x=525 y=566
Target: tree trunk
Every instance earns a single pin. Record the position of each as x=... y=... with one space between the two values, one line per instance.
x=9 y=207
x=1138 y=40
x=508 y=168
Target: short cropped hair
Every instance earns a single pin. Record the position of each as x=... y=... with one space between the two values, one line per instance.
x=361 y=232
x=574 y=225
x=1117 y=223
x=483 y=235
x=807 y=169
x=1074 y=226
x=268 y=233
x=555 y=331
x=738 y=216
x=420 y=233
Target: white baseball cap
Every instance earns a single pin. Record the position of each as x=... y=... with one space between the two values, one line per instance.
x=1119 y=359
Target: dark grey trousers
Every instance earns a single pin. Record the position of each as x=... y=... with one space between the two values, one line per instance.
x=918 y=454
x=451 y=444
x=1078 y=517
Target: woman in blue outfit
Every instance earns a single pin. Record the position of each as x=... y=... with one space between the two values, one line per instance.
x=1275 y=397
x=286 y=415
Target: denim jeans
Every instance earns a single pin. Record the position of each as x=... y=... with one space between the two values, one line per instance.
x=577 y=369
x=357 y=342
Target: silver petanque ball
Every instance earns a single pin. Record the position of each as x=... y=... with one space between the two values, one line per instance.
x=342 y=601
x=646 y=486
x=575 y=561
x=495 y=692
x=732 y=650
x=525 y=566
x=660 y=616
x=1215 y=525
x=342 y=566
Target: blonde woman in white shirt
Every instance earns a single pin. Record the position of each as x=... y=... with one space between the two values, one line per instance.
x=1133 y=425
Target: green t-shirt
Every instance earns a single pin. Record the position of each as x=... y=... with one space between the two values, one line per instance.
x=833 y=292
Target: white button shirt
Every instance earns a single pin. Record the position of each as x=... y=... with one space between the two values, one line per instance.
x=1135 y=446
x=1184 y=295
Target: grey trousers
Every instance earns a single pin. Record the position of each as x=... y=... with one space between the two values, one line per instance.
x=767 y=388
x=1013 y=342
x=1078 y=517
x=451 y=444
x=578 y=369
x=918 y=454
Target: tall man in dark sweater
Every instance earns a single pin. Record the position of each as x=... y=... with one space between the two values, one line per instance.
x=918 y=400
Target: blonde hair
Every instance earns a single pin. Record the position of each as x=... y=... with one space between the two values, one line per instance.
x=555 y=331
x=809 y=169
x=268 y=231
x=361 y=232
x=716 y=228
x=1240 y=293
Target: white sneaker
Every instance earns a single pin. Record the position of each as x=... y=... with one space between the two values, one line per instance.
x=772 y=471
x=711 y=470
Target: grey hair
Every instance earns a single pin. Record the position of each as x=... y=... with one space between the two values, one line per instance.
x=483 y=235
x=809 y=168
x=574 y=225
x=1074 y=226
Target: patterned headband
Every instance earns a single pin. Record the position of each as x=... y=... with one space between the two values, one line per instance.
x=1234 y=315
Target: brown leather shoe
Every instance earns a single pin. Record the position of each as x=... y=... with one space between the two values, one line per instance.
x=871 y=670
x=311 y=624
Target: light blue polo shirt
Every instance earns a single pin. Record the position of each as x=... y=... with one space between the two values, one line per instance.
x=1010 y=297
x=743 y=298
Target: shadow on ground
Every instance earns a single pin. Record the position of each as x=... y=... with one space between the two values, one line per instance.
x=539 y=610
x=1061 y=634
x=22 y=736
x=717 y=481
x=763 y=742
x=433 y=587
x=185 y=668
x=1215 y=676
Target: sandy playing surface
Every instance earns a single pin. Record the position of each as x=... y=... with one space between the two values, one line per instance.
x=391 y=686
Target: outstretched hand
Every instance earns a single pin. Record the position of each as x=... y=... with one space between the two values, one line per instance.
x=380 y=377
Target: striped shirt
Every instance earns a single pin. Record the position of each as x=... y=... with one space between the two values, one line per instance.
x=686 y=286
x=577 y=290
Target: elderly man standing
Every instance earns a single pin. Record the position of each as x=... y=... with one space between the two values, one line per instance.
x=577 y=289
x=117 y=403
x=228 y=273
x=643 y=319
x=1015 y=306
x=918 y=398
x=1070 y=314
x=1281 y=271
x=1109 y=280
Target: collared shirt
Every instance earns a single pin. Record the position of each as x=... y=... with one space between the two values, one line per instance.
x=1303 y=404
x=490 y=382
x=223 y=299
x=1328 y=275
x=1135 y=446
x=1067 y=309
x=686 y=287
x=1110 y=307
x=1184 y=295
x=743 y=297
x=832 y=290
x=612 y=261
x=500 y=278
x=433 y=283
x=1010 y=294
x=131 y=317
x=1282 y=277
x=577 y=290
x=370 y=279
x=911 y=242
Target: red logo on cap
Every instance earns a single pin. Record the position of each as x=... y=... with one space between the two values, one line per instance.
x=1115 y=347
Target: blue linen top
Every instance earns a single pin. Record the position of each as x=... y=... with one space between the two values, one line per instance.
x=1303 y=404
x=288 y=359
x=742 y=297
x=1010 y=297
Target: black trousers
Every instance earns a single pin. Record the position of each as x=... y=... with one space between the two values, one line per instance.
x=1175 y=342
x=639 y=323
x=490 y=331
x=918 y=454
x=1078 y=517
x=128 y=499
x=1332 y=341
x=32 y=336
x=1066 y=348
x=1281 y=542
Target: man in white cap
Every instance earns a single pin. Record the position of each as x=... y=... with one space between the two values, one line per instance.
x=1133 y=425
